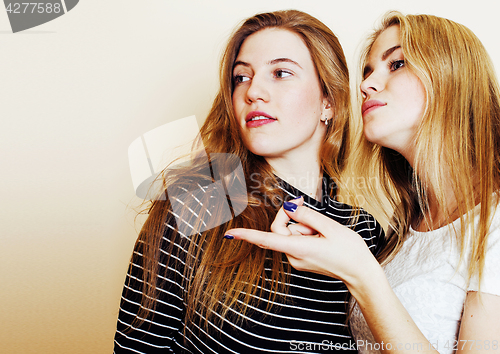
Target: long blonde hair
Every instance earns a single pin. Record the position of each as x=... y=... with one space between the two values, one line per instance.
x=458 y=139
x=230 y=274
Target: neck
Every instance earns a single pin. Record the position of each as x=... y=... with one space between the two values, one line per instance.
x=439 y=212
x=305 y=175
x=438 y=216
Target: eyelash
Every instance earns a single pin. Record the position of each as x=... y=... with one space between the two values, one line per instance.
x=282 y=72
x=394 y=62
x=277 y=74
x=237 y=79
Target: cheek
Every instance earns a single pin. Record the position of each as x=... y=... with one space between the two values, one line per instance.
x=237 y=104
x=234 y=98
x=302 y=104
x=414 y=92
x=417 y=101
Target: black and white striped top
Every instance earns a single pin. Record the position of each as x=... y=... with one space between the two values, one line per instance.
x=312 y=320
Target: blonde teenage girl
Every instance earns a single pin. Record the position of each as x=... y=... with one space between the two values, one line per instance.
x=431 y=115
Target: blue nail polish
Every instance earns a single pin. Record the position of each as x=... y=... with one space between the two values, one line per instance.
x=288 y=206
x=229 y=237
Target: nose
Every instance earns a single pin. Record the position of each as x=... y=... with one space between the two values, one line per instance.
x=371 y=84
x=257 y=90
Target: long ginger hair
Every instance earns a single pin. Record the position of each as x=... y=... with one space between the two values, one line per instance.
x=457 y=141
x=228 y=275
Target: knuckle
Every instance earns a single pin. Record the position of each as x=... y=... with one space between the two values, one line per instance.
x=303 y=211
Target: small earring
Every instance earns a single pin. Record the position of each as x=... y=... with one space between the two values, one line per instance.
x=326 y=120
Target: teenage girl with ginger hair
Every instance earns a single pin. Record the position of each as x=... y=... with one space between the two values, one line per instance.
x=431 y=118
x=283 y=111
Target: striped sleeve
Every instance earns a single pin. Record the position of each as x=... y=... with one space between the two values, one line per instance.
x=159 y=332
x=156 y=332
x=371 y=231
x=360 y=221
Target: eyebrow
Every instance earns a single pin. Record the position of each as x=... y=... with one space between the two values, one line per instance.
x=283 y=60
x=271 y=62
x=239 y=62
x=368 y=69
x=390 y=51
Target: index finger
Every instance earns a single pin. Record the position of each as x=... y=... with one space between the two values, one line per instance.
x=267 y=240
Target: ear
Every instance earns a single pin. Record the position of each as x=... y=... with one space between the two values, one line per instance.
x=327 y=111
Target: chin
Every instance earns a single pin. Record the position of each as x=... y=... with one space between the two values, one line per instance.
x=261 y=148
x=376 y=131
x=370 y=135
x=264 y=153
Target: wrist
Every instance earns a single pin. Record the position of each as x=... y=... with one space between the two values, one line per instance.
x=366 y=285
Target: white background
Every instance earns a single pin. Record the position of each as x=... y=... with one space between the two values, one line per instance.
x=75 y=92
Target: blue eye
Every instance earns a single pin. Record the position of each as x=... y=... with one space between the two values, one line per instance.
x=281 y=74
x=396 y=64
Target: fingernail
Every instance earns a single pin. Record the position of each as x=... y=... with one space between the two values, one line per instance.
x=229 y=237
x=288 y=206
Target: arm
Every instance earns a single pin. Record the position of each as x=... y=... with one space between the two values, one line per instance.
x=167 y=237
x=480 y=328
x=387 y=318
x=325 y=253
x=156 y=332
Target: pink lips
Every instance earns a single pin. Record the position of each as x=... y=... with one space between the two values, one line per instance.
x=370 y=105
x=258 y=118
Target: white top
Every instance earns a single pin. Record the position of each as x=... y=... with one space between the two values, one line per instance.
x=425 y=278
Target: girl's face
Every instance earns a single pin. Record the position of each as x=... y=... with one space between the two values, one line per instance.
x=277 y=98
x=394 y=97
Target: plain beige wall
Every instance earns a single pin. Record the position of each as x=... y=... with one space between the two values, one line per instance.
x=75 y=92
